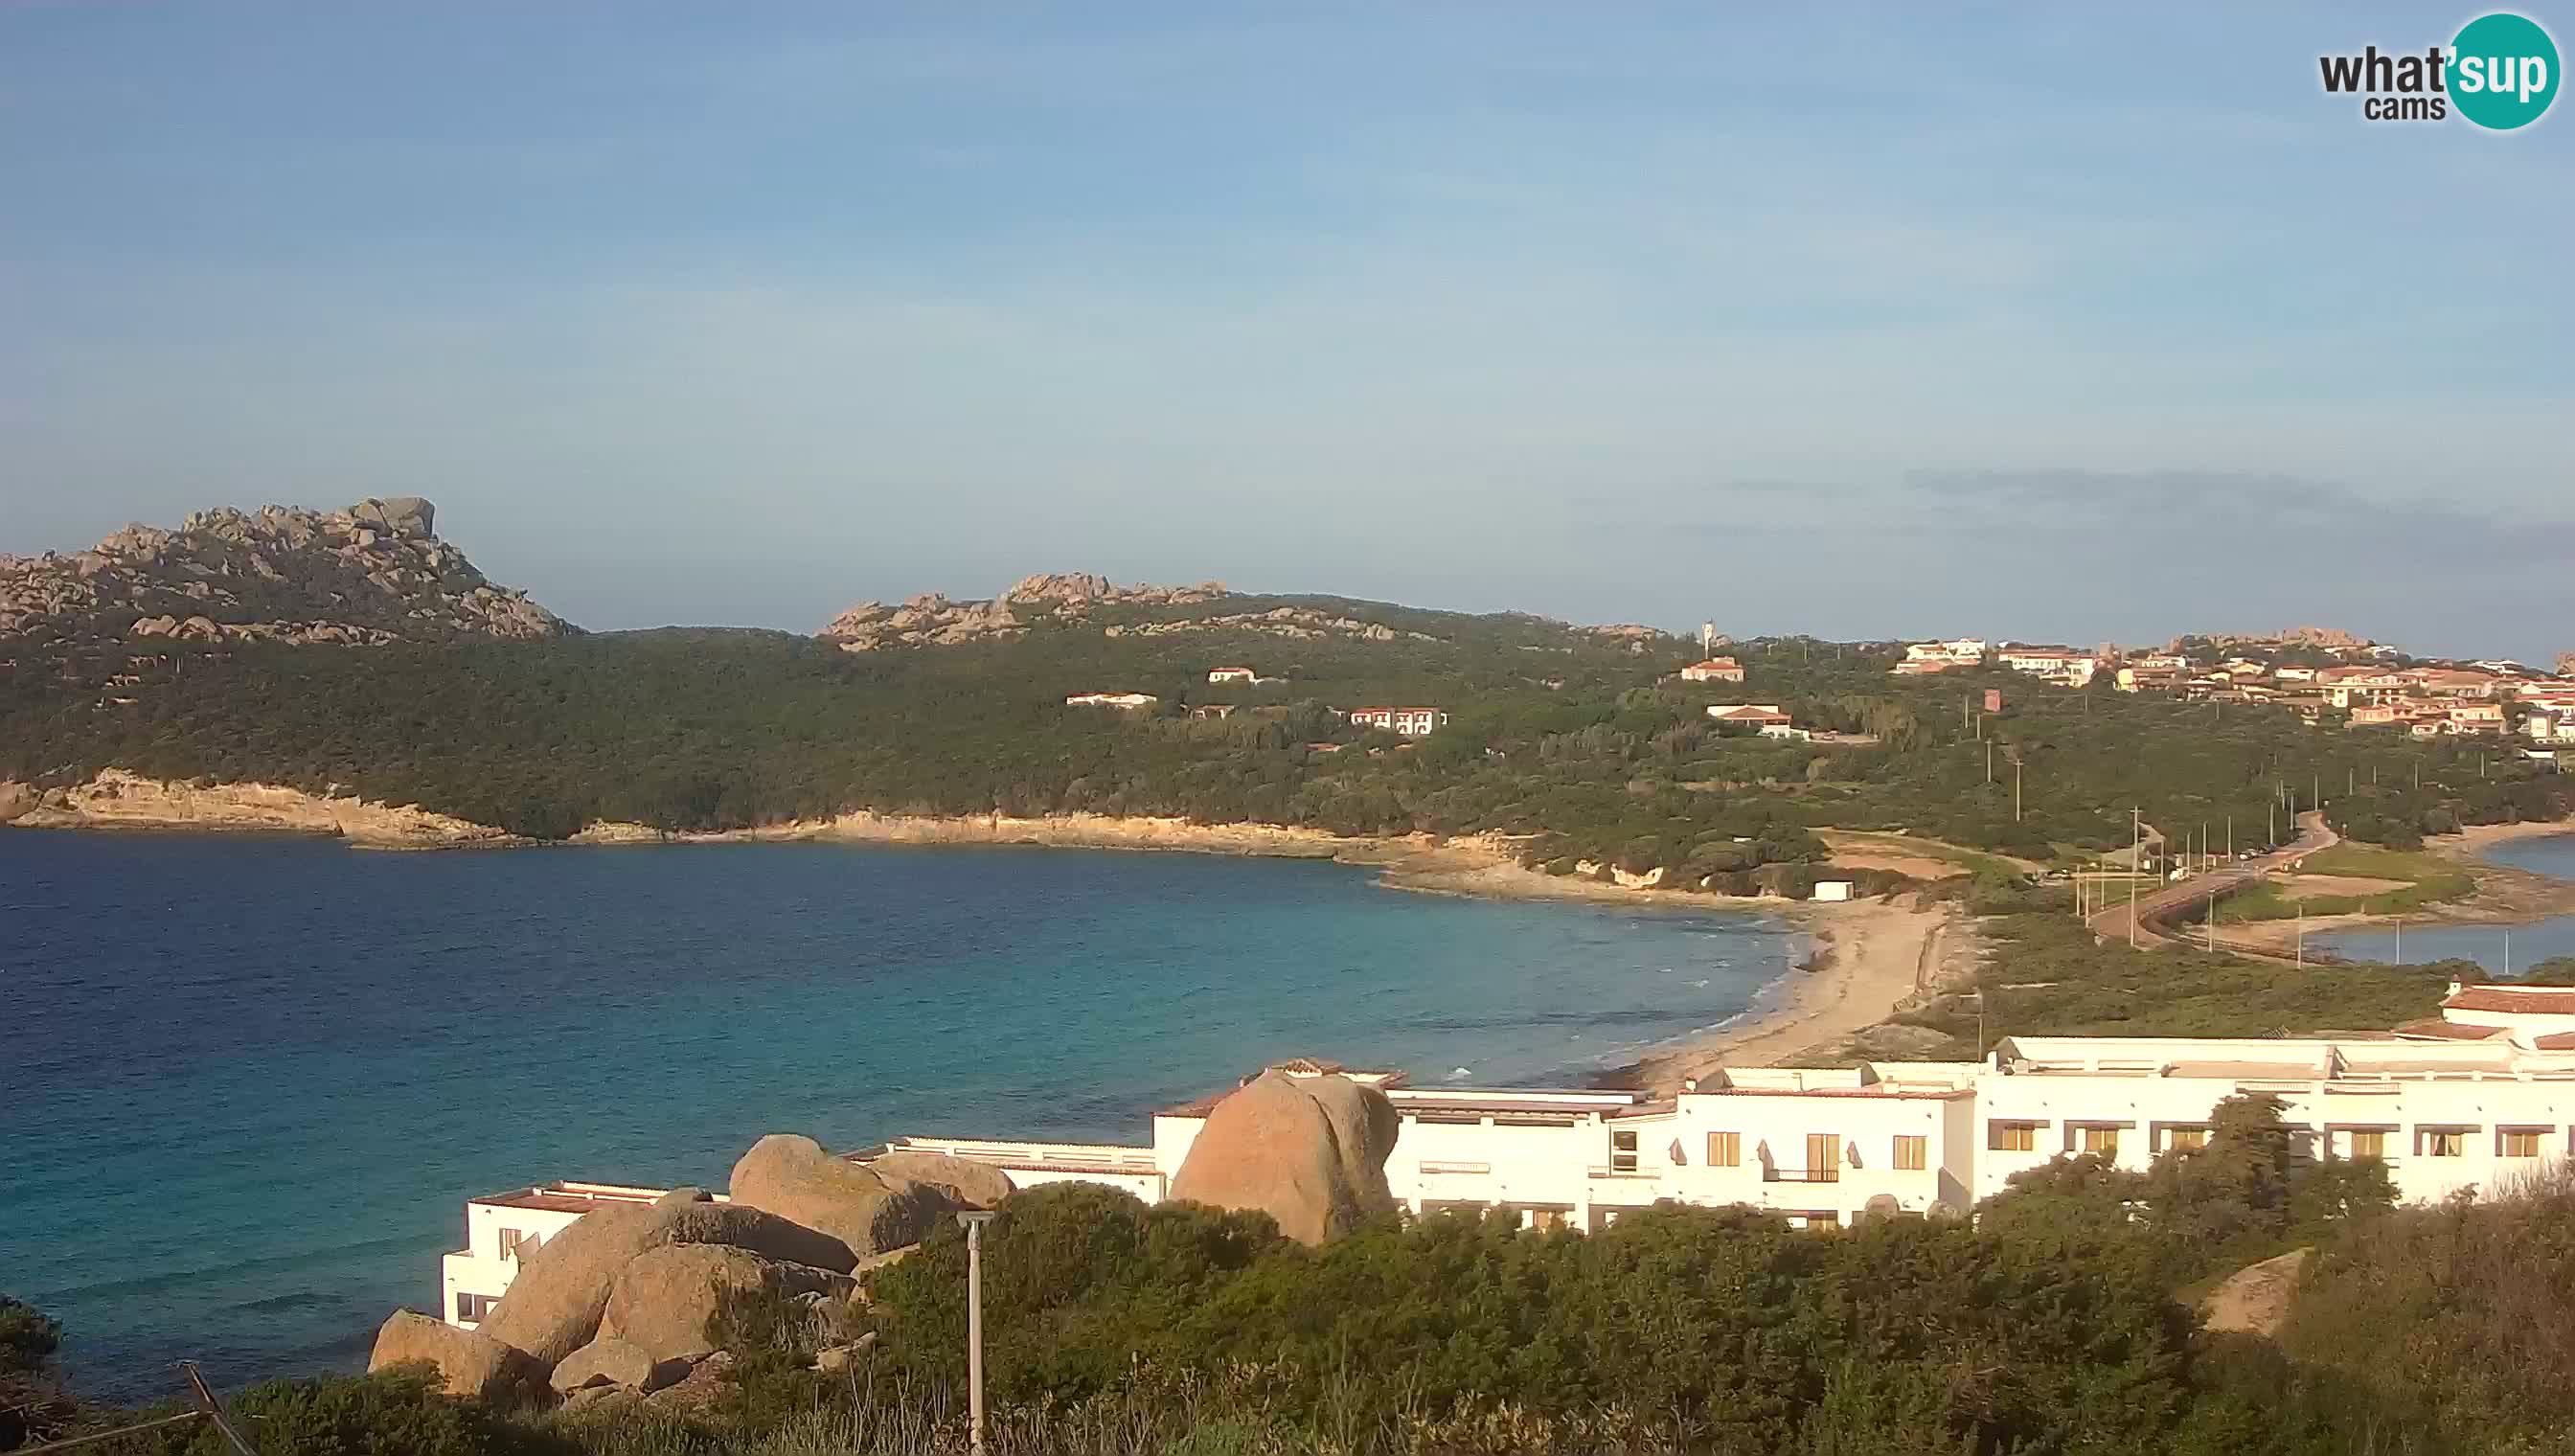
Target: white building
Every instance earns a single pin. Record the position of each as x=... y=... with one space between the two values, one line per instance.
x=1410 y=723
x=500 y=1227
x=1713 y=669
x=2471 y=1100
x=1127 y=701
x=2055 y=664
x=1233 y=674
x=1965 y=651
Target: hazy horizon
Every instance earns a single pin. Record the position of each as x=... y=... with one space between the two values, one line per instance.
x=2063 y=325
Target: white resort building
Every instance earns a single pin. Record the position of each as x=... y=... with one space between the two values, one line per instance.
x=2469 y=1102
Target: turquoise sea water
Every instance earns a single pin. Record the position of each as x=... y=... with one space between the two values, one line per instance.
x=2487 y=946
x=246 y=1082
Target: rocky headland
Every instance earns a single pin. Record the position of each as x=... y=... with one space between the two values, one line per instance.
x=373 y=574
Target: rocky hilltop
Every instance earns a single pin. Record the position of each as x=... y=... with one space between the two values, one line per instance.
x=2332 y=640
x=936 y=621
x=373 y=574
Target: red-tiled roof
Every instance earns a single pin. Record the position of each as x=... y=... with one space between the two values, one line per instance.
x=2545 y=1000
x=2555 y=1041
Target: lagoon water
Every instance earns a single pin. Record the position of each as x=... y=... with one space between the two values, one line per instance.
x=247 y=1082
x=2487 y=946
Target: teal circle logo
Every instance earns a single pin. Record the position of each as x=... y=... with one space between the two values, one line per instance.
x=2503 y=71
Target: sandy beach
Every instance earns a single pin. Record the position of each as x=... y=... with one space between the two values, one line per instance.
x=1873 y=957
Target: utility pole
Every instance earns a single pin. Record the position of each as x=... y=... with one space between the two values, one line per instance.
x=2136 y=851
x=2212 y=923
x=974 y=1220
x=1990 y=761
x=2016 y=766
x=2302 y=934
x=2400 y=938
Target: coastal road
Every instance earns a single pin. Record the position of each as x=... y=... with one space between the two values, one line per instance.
x=2166 y=902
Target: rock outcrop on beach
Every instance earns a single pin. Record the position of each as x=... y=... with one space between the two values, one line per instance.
x=1310 y=1151
x=934 y=619
x=371 y=574
x=115 y=799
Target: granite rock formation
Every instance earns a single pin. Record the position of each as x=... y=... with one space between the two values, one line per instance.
x=373 y=574
x=934 y=619
x=1308 y=1151
x=469 y=1363
x=794 y=1178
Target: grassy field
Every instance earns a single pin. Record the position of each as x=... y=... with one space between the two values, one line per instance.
x=2428 y=878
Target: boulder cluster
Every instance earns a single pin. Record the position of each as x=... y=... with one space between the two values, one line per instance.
x=373 y=574
x=932 y=620
x=626 y=1301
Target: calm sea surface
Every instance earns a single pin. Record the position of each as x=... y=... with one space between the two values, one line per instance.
x=246 y=1084
x=2484 y=944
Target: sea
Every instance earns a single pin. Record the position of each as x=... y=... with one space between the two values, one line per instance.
x=247 y=1082
x=2501 y=949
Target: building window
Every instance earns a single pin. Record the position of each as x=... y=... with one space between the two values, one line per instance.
x=1725 y=1149
x=2370 y=1144
x=471 y=1308
x=2520 y=1142
x=2440 y=1143
x=2186 y=1140
x=1546 y=1220
x=1909 y=1150
x=2103 y=1140
x=1622 y=1152
x=515 y=1242
x=2012 y=1136
x=1823 y=1164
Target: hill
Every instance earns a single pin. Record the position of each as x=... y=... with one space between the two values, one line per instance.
x=368 y=575
x=1581 y=743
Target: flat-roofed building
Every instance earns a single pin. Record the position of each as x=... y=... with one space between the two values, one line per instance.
x=2470 y=1101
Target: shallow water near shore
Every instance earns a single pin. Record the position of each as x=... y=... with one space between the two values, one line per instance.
x=2501 y=949
x=247 y=1082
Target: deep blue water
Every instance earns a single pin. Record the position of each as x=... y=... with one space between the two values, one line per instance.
x=247 y=1082
x=2487 y=946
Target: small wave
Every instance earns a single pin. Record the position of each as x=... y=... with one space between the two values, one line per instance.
x=1460 y=1073
x=1700 y=983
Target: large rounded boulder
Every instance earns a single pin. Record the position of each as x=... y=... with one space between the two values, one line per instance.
x=554 y=1307
x=961 y=1181
x=469 y=1363
x=667 y=1299
x=794 y=1178
x=1308 y=1151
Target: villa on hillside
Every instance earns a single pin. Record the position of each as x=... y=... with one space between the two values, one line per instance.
x=1126 y=701
x=2465 y=1102
x=1765 y=717
x=2063 y=665
x=1713 y=669
x=1243 y=675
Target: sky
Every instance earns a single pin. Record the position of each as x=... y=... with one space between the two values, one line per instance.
x=2072 y=323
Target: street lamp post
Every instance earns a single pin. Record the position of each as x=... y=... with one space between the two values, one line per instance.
x=974 y=1220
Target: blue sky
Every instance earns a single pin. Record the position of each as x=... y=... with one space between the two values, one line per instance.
x=2064 y=321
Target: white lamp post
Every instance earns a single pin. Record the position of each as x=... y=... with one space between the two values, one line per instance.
x=974 y=1220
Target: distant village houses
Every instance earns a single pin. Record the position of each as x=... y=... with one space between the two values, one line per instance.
x=1125 y=702
x=2064 y=666
x=1410 y=723
x=1245 y=675
x=1714 y=670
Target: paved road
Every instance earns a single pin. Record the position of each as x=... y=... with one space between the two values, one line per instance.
x=2170 y=901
